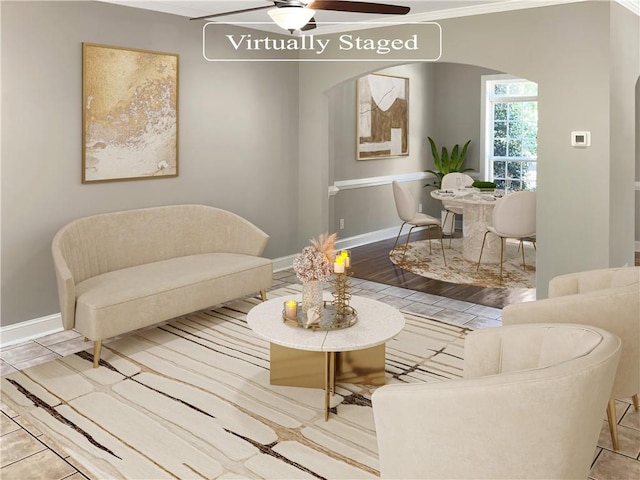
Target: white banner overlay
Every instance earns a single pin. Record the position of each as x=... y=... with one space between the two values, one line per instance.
x=411 y=42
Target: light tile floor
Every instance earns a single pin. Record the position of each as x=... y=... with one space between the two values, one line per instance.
x=25 y=453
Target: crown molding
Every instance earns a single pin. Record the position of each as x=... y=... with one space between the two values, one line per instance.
x=632 y=5
x=481 y=9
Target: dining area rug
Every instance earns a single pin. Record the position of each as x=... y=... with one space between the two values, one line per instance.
x=419 y=261
x=192 y=399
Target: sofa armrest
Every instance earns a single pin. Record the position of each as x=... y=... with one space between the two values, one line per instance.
x=66 y=289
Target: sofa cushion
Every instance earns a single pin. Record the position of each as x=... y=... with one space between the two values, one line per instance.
x=123 y=300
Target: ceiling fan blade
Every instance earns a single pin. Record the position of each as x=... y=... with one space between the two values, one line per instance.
x=309 y=26
x=359 y=7
x=214 y=15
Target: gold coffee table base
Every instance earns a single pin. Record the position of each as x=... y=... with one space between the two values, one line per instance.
x=302 y=368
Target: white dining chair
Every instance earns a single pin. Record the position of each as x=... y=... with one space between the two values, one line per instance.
x=406 y=207
x=451 y=181
x=514 y=216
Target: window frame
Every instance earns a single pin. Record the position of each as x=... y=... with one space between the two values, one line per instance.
x=486 y=124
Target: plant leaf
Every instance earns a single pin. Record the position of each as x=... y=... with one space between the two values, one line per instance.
x=434 y=153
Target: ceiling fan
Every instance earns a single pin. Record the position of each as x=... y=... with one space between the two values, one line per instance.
x=295 y=15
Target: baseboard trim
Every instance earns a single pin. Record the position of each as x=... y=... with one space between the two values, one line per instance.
x=30 y=330
x=283 y=263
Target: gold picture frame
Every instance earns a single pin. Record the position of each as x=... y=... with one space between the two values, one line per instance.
x=129 y=114
x=383 y=116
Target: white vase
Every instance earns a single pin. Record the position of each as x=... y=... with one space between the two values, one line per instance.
x=312 y=300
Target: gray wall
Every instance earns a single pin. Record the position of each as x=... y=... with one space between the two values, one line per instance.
x=371 y=208
x=458 y=104
x=566 y=50
x=251 y=143
x=237 y=137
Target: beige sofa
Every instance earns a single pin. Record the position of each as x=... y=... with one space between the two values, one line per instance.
x=118 y=272
x=607 y=298
x=529 y=406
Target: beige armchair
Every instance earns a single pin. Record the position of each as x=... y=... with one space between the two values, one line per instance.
x=529 y=406
x=607 y=298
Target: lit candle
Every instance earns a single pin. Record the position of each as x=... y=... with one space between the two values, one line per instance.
x=338 y=267
x=291 y=309
x=346 y=254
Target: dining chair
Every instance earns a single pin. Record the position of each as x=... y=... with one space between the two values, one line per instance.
x=450 y=181
x=514 y=216
x=406 y=207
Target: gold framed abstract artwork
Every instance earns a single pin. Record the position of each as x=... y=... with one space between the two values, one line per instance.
x=129 y=114
x=383 y=116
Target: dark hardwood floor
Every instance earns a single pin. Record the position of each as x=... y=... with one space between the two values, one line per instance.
x=371 y=262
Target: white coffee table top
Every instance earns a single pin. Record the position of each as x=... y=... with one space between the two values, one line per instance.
x=377 y=323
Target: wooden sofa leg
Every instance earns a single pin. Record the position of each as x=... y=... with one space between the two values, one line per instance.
x=263 y=295
x=97 y=346
x=636 y=405
x=613 y=424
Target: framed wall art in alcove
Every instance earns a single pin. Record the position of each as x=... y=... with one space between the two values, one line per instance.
x=383 y=116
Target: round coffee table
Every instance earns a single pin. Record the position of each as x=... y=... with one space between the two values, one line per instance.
x=303 y=357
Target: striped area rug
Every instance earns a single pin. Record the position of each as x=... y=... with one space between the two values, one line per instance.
x=192 y=399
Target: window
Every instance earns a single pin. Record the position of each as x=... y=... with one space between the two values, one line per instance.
x=510 y=131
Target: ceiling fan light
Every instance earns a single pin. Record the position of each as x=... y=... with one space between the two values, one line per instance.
x=291 y=18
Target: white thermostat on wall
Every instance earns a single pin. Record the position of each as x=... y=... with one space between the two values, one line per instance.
x=580 y=139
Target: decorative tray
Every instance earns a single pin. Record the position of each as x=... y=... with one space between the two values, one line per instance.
x=330 y=320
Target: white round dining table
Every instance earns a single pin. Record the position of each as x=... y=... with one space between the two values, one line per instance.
x=477 y=214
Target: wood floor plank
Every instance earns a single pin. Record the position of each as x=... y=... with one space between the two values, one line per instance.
x=371 y=262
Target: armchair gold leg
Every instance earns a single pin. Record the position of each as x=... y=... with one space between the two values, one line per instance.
x=613 y=424
x=97 y=346
x=636 y=405
x=263 y=295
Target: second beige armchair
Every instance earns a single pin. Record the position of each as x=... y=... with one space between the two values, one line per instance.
x=606 y=298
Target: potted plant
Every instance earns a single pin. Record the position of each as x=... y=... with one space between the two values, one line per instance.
x=446 y=162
